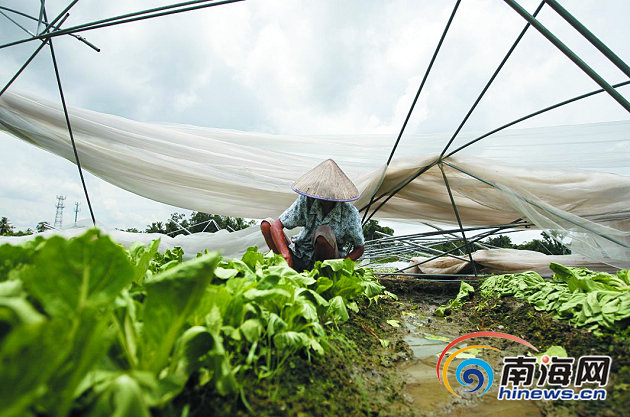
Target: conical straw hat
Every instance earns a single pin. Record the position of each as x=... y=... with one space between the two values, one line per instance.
x=326 y=182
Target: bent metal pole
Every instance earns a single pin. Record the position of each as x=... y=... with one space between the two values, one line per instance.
x=570 y=54
x=594 y=40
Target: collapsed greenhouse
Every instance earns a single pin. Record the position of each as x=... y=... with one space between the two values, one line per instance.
x=566 y=179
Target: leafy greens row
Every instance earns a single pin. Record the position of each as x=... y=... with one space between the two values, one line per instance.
x=89 y=326
x=597 y=301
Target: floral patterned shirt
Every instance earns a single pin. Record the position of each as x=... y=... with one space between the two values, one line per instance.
x=343 y=219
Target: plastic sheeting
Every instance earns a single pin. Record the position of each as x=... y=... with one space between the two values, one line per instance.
x=503 y=261
x=229 y=244
x=537 y=174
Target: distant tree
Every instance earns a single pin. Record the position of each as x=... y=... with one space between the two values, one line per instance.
x=42 y=226
x=547 y=245
x=26 y=232
x=554 y=243
x=177 y=224
x=6 y=228
x=205 y=222
x=535 y=245
x=198 y=222
x=132 y=230
x=156 y=227
x=501 y=241
x=236 y=223
x=449 y=246
x=372 y=230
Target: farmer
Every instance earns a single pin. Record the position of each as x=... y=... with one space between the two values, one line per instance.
x=332 y=226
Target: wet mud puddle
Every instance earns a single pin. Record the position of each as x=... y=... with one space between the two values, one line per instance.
x=430 y=396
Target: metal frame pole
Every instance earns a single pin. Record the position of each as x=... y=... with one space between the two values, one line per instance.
x=546 y=109
x=367 y=217
x=22 y=68
x=594 y=40
x=381 y=252
x=394 y=192
x=28 y=61
x=79 y=37
x=65 y=111
x=16 y=23
x=127 y=18
x=41 y=14
x=428 y=248
x=533 y=203
x=424 y=79
x=415 y=100
x=459 y=220
x=475 y=239
x=505 y=126
x=17 y=12
x=570 y=54
x=492 y=78
x=450 y=231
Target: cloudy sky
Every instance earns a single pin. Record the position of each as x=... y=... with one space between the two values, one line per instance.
x=294 y=67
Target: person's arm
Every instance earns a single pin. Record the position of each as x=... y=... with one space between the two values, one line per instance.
x=356 y=253
x=292 y=217
x=356 y=234
x=277 y=234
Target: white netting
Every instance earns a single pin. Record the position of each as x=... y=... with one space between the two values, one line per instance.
x=229 y=244
x=537 y=174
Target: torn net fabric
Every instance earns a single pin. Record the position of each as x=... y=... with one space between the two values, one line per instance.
x=563 y=178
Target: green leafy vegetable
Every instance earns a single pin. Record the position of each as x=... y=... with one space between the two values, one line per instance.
x=594 y=300
x=557 y=351
x=171 y=297
x=458 y=302
x=89 y=325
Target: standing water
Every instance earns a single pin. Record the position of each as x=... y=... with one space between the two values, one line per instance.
x=432 y=398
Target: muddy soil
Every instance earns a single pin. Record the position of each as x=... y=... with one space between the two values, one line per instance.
x=358 y=376
x=382 y=362
x=428 y=334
